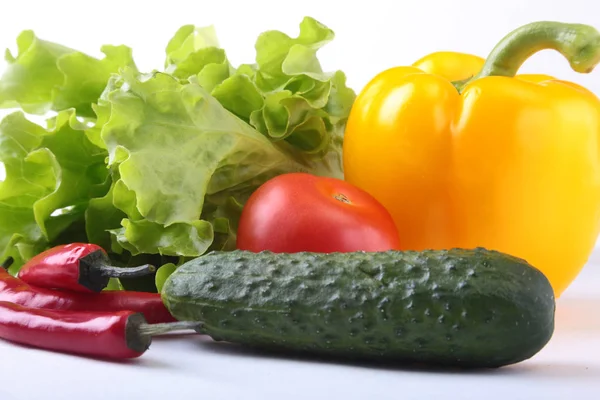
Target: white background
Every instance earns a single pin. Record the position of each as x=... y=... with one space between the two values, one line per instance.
x=370 y=36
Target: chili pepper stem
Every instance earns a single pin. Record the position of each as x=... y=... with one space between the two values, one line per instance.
x=578 y=43
x=95 y=272
x=138 y=333
x=132 y=272
x=7 y=263
x=166 y=327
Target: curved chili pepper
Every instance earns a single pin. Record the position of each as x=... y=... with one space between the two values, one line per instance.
x=81 y=267
x=16 y=291
x=121 y=334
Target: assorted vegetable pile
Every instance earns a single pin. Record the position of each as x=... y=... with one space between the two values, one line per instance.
x=267 y=204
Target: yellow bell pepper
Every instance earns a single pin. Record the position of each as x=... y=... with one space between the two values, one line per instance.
x=505 y=162
x=453 y=66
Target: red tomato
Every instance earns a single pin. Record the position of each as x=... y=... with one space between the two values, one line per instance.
x=301 y=212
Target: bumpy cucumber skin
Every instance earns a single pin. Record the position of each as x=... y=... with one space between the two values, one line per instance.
x=459 y=307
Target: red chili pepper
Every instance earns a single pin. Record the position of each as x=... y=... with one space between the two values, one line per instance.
x=81 y=267
x=16 y=291
x=121 y=334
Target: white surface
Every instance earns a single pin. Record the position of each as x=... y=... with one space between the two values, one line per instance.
x=370 y=36
x=193 y=367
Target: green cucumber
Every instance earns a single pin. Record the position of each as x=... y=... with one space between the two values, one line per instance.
x=459 y=307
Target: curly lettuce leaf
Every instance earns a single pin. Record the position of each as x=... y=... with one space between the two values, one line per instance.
x=288 y=98
x=102 y=216
x=224 y=215
x=174 y=145
x=27 y=180
x=285 y=95
x=187 y=40
x=197 y=61
x=239 y=95
x=50 y=176
x=46 y=76
x=170 y=139
x=180 y=239
x=195 y=51
x=162 y=274
x=279 y=56
x=78 y=166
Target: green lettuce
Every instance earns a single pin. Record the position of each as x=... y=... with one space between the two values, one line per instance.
x=285 y=94
x=195 y=51
x=51 y=175
x=156 y=167
x=175 y=147
x=304 y=112
x=47 y=76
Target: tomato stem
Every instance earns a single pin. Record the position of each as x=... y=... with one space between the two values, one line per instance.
x=341 y=197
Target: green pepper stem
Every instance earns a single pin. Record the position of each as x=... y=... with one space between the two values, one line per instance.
x=578 y=43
